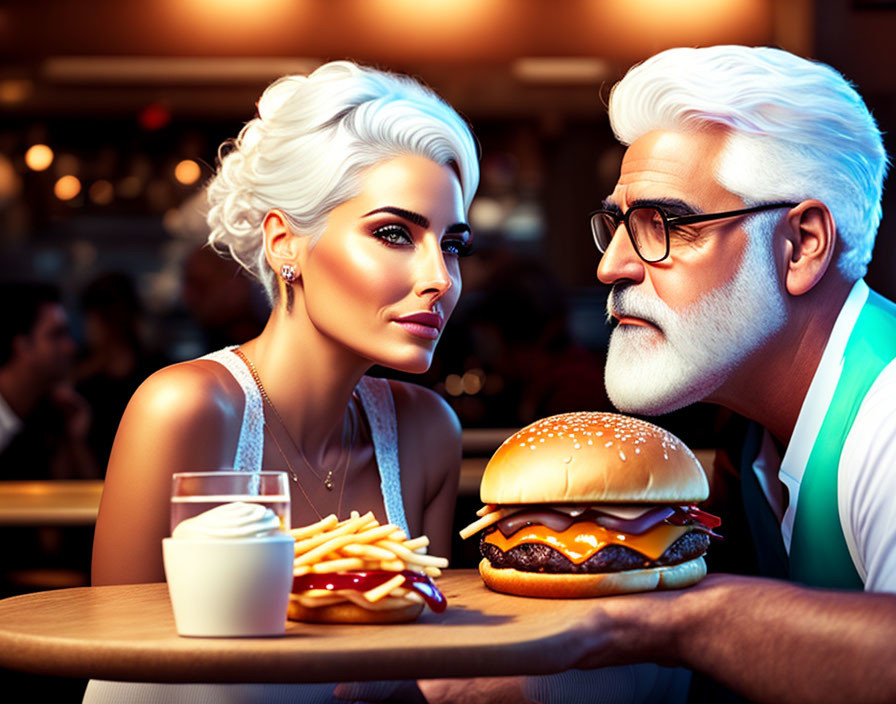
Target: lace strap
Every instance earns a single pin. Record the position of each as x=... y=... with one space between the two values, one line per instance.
x=379 y=406
x=250 y=448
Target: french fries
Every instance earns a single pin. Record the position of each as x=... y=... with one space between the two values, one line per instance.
x=360 y=543
x=488 y=514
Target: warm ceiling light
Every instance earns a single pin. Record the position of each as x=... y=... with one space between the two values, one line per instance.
x=187 y=172
x=67 y=187
x=647 y=26
x=39 y=157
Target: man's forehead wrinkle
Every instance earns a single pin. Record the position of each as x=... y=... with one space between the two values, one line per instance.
x=646 y=163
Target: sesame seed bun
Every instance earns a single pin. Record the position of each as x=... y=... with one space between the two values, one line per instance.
x=596 y=458
x=349 y=612
x=566 y=586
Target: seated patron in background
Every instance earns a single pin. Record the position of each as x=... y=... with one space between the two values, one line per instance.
x=43 y=422
x=116 y=356
x=736 y=240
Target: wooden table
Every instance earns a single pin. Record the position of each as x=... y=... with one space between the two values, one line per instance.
x=50 y=503
x=127 y=633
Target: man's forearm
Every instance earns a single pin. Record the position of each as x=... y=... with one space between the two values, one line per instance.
x=770 y=641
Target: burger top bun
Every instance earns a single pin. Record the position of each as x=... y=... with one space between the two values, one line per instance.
x=593 y=457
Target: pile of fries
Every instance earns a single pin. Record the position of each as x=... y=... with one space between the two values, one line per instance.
x=361 y=544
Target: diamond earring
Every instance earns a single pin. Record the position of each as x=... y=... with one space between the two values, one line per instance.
x=288 y=273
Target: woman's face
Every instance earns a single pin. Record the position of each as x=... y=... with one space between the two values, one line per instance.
x=384 y=276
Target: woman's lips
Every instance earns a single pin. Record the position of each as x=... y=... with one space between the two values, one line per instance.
x=425 y=325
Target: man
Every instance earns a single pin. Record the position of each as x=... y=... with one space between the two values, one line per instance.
x=735 y=241
x=43 y=422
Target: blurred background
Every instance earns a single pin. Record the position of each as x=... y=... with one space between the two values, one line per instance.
x=111 y=114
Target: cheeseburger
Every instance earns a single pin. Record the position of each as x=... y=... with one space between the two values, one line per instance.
x=585 y=504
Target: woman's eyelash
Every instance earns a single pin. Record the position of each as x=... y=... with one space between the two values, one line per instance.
x=457 y=247
x=393 y=234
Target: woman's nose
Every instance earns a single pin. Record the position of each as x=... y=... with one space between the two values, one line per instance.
x=433 y=276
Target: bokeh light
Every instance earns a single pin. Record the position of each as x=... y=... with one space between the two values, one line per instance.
x=39 y=157
x=187 y=172
x=67 y=187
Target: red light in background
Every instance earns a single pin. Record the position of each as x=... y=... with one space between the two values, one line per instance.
x=154 y=116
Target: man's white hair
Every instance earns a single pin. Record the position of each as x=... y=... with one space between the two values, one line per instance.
x=799 y=130
x=312 y=138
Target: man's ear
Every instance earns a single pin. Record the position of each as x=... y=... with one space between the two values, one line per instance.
x=810 y=241
x=281 y=244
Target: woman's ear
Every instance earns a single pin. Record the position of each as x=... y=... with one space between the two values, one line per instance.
x=811 y=241
x=281 y=245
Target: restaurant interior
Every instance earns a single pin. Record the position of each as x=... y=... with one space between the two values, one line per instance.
x=111 y=115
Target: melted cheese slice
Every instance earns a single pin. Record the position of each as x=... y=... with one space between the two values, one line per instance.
x=582 y=540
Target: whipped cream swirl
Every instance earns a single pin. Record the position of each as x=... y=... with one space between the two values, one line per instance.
x=230 y=521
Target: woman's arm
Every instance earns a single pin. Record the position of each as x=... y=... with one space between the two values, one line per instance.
x=180 y=419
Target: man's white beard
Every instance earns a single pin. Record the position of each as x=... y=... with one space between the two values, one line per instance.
x=653 y=373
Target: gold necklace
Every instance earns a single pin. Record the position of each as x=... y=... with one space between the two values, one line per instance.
x=326 y=481
x=296 y=479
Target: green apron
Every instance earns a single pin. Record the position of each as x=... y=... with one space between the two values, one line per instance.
x=819 y=556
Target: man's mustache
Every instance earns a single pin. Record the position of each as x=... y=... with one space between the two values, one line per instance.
x=627 y=302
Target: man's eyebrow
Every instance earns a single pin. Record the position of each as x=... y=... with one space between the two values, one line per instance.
x=418 y=219
x=671 y=206
x=608 y=204
x=410 y=216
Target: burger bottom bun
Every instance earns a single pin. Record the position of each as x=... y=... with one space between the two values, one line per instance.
x=348 y=612
x=521 y=583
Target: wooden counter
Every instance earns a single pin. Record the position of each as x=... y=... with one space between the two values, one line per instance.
x=127 y=633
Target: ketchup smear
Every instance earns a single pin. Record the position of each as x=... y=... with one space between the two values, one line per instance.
x=363 y=581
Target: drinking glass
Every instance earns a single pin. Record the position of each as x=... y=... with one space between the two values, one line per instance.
x=193 y=493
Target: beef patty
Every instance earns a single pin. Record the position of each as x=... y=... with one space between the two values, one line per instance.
x=537 y=557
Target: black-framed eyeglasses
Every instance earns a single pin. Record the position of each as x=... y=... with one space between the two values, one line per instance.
x=648 y=226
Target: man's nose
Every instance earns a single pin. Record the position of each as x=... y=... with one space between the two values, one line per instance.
x=620 y=262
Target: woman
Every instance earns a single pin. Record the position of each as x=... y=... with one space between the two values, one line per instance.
x=347 y=197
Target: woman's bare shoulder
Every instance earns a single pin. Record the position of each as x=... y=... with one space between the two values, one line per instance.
x=195 y=399
x=198 y=385
x=426 y=417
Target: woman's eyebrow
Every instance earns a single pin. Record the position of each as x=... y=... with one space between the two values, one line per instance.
x=416 y=218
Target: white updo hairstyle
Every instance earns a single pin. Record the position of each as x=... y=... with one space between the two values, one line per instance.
x=306 y=149
x=799 y=131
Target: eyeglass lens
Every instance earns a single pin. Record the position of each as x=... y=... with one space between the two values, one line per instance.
x=646 y=226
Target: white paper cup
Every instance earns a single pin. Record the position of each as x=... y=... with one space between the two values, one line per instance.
x=229 y=587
